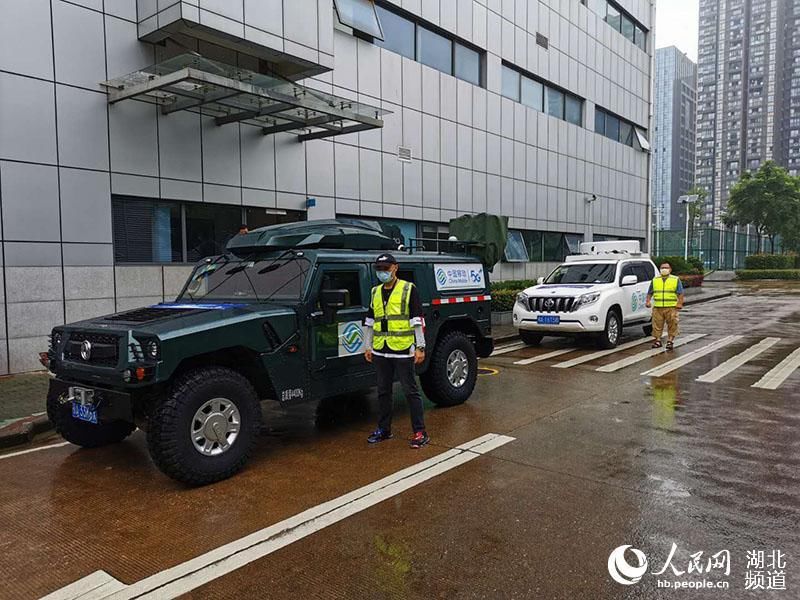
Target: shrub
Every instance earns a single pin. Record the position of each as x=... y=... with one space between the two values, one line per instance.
x=770 y=262
x=503 y=300
x=692 y=266
x=769 y=274
x=513 y=284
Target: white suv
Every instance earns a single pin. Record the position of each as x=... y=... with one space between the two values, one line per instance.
x=597 y=292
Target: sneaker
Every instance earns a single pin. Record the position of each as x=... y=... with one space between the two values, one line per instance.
x=419 y=439
x=379 y=435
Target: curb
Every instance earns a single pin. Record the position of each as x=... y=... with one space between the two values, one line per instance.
x=689 y=300
x=22 y=431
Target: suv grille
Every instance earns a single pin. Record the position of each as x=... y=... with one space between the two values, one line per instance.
x=104 y=349
x=151 y=313
x=552 y=304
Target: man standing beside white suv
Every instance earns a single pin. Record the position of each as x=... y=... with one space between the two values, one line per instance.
x=595 y=293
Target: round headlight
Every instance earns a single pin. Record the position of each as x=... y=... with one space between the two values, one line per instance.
x=152 y=348
x=126 y=375
x=56 y=339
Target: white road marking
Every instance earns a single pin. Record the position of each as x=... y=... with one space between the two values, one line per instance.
x=774 y=378
x=632 y=360
x=677 y=363
x=21 y=452
x=96 y=586
x=737 y=361
x=207 y=567
x=507 y=349
x=595 y=355
x=530 y=361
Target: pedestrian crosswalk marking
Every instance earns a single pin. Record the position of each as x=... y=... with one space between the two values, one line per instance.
x=529 y=361
x=677 y=363
x=595 y=355
x=774 y=378
x=509 y=348
x=737 y=361
x=632 y=360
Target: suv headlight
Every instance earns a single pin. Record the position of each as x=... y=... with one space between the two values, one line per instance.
x=522 y=299
x=55 y=340
x=152 y=349
x=586 y=300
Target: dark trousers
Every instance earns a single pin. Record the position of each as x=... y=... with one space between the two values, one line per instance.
x=386 y=370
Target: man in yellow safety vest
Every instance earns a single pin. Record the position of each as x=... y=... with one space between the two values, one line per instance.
x=666 y=296
x=395 y=342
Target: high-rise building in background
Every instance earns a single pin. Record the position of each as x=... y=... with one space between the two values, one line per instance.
x=748 y=92
x=673 y=135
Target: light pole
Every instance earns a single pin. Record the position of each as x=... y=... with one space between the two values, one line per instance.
x=590 y=218
x=687 y=200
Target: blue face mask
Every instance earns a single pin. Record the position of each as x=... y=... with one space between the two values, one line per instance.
x=384 y=276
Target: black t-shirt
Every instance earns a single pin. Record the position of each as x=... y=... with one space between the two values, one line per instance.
x=415 y=306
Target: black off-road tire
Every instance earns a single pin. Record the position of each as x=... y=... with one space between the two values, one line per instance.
x=604 y=340
x=169 y=437
x=648 y=330
x=435 y=383
x=80 y=433
x=530 y=338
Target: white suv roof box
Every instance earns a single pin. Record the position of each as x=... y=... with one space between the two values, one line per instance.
x=613 y=247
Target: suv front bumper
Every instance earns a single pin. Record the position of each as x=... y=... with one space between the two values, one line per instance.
x=112 y=405
x=581 y=321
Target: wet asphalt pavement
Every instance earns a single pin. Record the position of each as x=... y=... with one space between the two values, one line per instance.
x=598 y=460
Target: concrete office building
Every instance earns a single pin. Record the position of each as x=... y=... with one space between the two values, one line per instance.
x=673 y=135
x=748 y=92
x=115 y=175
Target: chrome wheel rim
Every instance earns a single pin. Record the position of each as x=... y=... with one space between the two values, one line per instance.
x=457 y=368
x=613 y=329
x=215 y=427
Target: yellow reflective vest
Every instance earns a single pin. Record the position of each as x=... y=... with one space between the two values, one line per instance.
x=392 y=328
x=665 y=291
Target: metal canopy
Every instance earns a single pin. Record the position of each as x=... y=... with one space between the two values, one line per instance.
x=235 y=95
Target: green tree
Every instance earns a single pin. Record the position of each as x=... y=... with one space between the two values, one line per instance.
x=768 y=200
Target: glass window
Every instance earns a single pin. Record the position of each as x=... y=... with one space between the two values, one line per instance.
x=263 y=217
x=468 y=64
x=612 y=127
x=510 y=83
x=344 y=280
x=599 y=121
x=515 y=247
x=626 y=133
x=398 y=33
x=613 y=17
x=583 y=273
x=360 y=15
x=574 y=110
x=555 y=103
x=533 y=242
x=434 y=50
x=533 y=94
x=641 y=38
x=627 y=28
x=598 y=6
x=209 y=227
x=553 y=247
x=146 y=231
x=641 y=138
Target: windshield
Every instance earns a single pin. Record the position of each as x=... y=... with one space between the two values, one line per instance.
x=583 y=273
x=243 y=280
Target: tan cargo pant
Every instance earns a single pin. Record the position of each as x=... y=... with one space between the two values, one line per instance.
x=662 y=316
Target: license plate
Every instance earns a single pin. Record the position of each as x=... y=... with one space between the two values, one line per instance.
x=548 y=320
x=84 y=413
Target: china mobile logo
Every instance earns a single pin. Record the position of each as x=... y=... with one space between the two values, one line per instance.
x=621 y=570
x=441 y=276
x=352 y=338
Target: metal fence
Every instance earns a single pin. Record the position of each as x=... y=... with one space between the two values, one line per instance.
x=722 y=249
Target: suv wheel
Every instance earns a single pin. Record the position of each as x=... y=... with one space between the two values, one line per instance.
x=452 y=372
x=530 y=338
x=205 y=429
x=613 y=331
x=80 y=433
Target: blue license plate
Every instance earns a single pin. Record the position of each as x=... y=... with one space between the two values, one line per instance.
x=84 y=413
x=548 y=320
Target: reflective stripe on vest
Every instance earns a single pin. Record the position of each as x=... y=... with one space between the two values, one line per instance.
x=665 y=292
x=400 y=334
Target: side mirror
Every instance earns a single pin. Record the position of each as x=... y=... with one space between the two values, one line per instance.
x=333 y=300
x=540 y=281
x=629 y=280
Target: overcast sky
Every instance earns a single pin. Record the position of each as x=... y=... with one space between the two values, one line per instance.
x=676 y=25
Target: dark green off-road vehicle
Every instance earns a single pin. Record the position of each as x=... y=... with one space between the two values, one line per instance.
x=279 y=316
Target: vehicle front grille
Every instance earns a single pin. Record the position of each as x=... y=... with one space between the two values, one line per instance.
x=553 y=304
x=103 y=350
